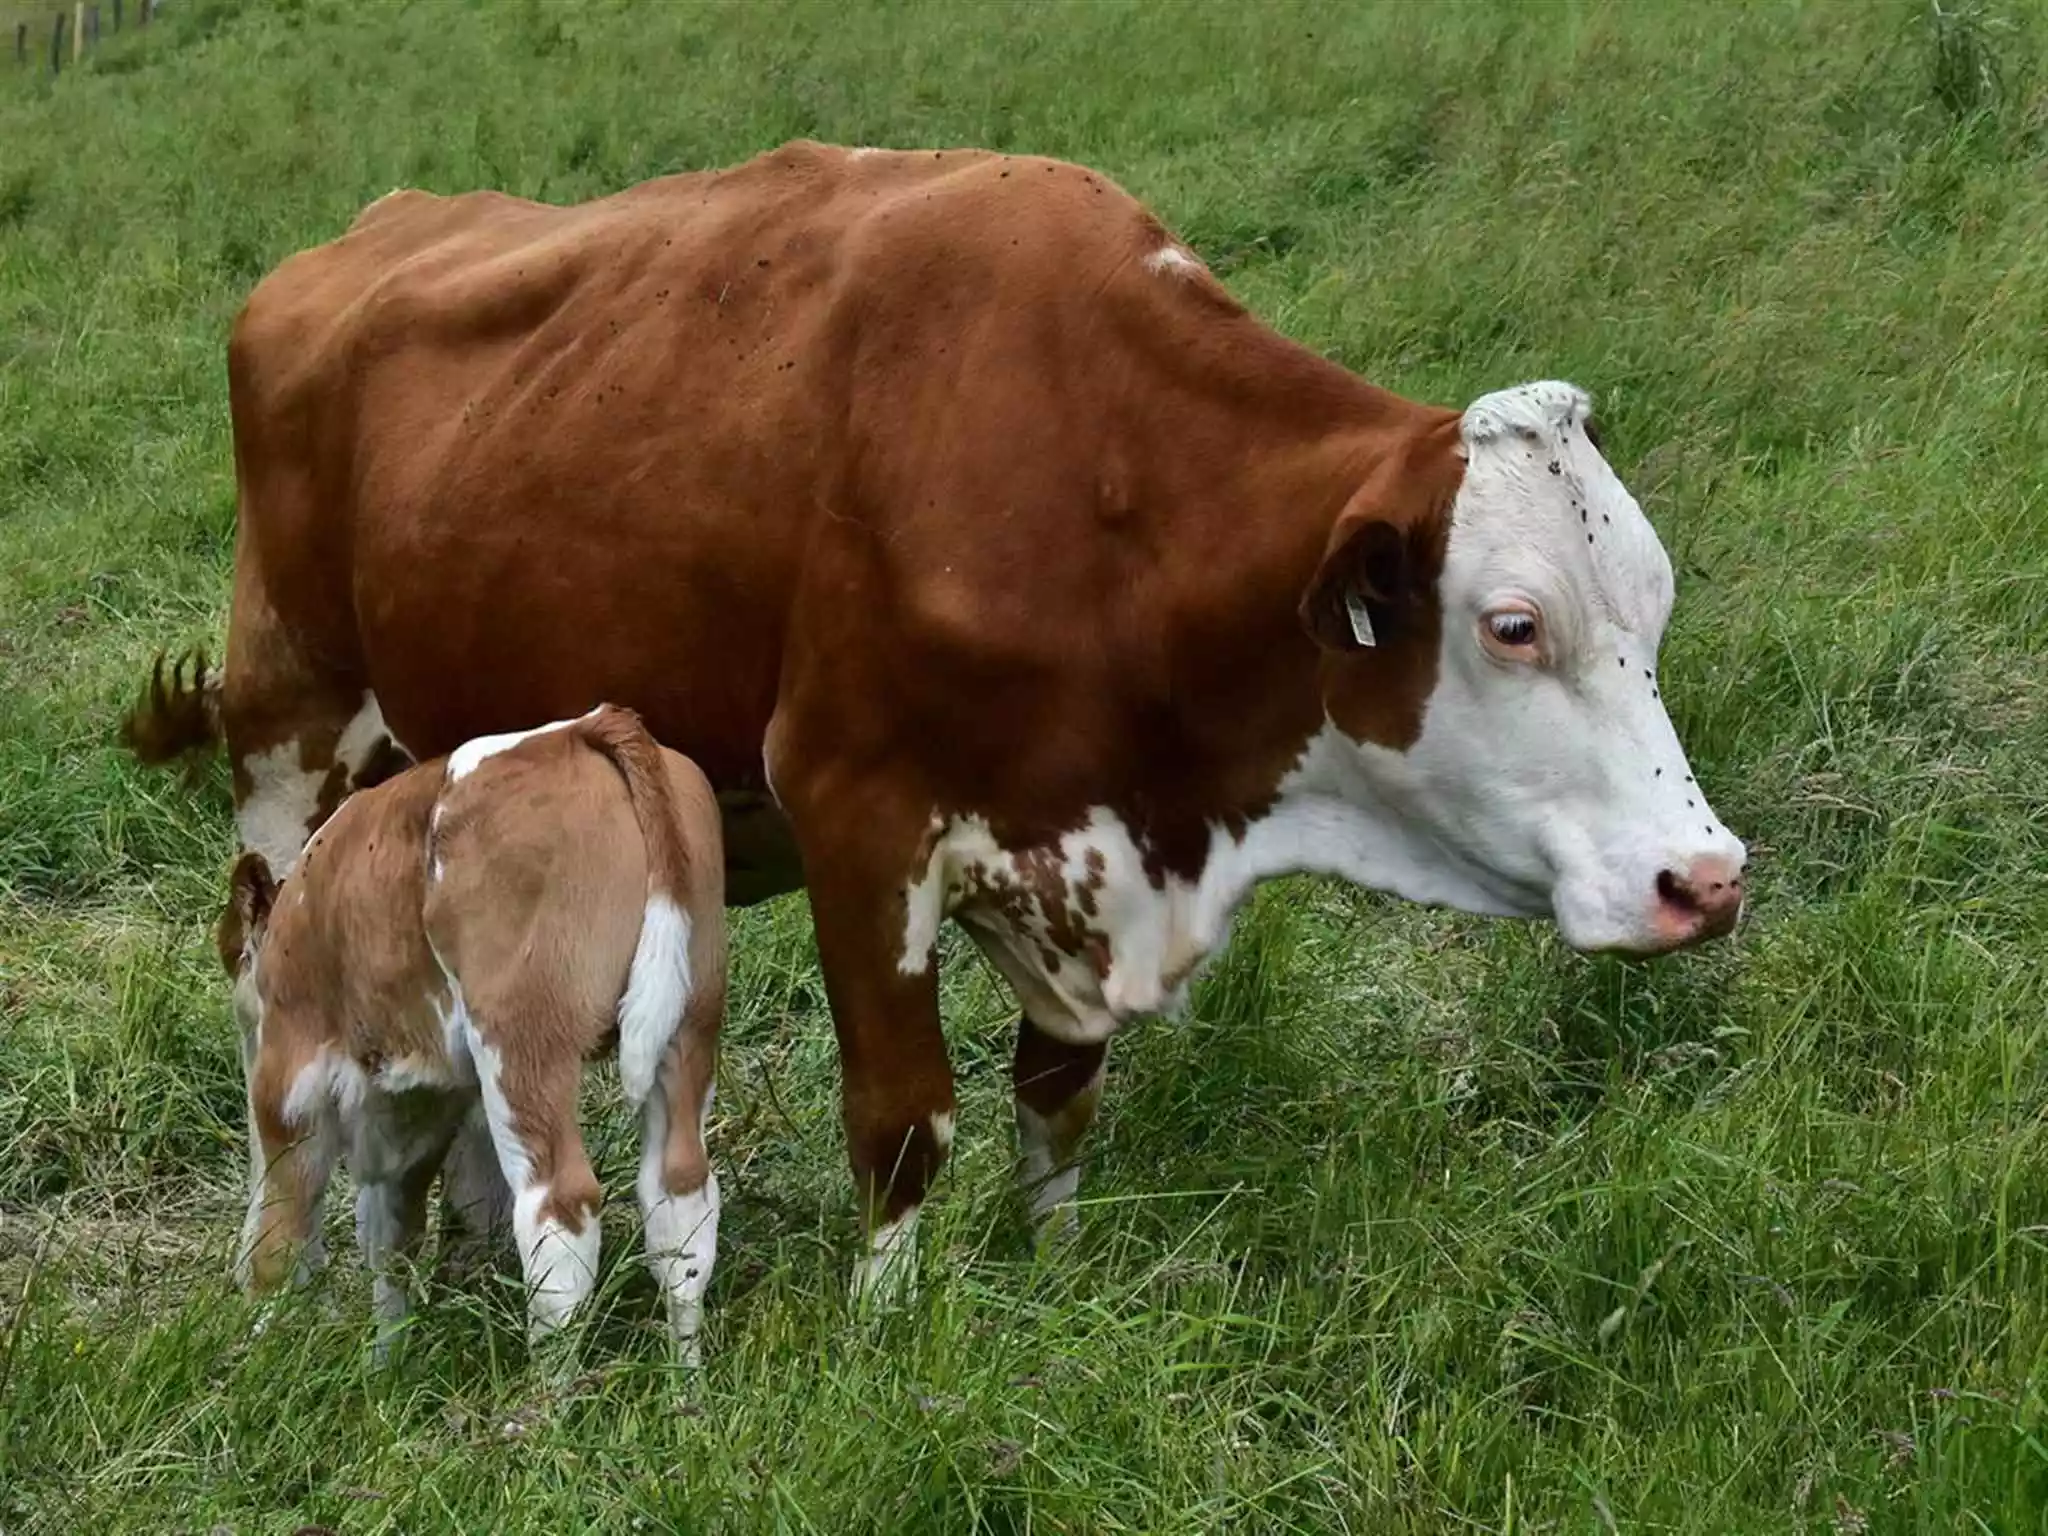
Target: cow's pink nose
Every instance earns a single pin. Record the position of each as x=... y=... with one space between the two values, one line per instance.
x=1704 y=900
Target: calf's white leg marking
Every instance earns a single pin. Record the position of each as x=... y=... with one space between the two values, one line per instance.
x=681 y=1229
x=560 y=1265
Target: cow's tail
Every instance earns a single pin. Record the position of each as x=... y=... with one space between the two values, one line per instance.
x=178 y=715
x=658 y=986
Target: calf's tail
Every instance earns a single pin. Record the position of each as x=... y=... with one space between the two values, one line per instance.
x=177 y=716
x=658 y=986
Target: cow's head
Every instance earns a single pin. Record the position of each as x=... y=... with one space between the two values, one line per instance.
x=1490 y=639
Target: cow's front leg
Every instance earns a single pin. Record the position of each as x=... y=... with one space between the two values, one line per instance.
x=1058 y=1087
x=896 y=1090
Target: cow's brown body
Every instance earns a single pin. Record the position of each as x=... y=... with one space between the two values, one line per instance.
x=911 y=456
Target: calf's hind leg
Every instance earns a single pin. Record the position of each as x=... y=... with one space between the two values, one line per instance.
x=678 y=1188
x=555 y=1194
x=476 y=1205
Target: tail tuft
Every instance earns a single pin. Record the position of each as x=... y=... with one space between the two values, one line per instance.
x=658 y=985
x=657 y=988
x=177 y=716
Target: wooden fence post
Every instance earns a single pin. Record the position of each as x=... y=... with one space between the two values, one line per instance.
x=77 y=31
x=21 y=42
x=57 y=43
x=117 y=15
x=142 y=10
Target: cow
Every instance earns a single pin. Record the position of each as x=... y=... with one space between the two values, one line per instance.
x=465 y=935
x=993 y=561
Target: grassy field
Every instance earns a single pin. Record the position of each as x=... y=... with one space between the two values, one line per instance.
x=1414 y=1223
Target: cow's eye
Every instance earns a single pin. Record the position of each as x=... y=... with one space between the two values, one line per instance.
x=1517 y=629
x=1513 y=633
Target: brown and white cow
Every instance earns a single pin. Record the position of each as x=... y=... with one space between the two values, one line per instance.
x=993 y=561
x=467 y=934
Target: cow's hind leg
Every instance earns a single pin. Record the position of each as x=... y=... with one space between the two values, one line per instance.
x=1058 y=1088
x=678 y=1188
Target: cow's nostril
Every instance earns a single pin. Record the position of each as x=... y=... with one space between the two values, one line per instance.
x=1673 y=890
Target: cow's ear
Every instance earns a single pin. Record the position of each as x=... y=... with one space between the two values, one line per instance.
x=1363 y=593
x=1376 y=585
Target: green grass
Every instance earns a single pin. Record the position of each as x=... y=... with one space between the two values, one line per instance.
x=1415 y=1223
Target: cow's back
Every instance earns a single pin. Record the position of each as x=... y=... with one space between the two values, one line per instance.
x=821 y=434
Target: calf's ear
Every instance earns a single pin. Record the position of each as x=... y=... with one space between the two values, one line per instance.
x=252 y=891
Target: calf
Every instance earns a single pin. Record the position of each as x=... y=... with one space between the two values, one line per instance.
x=470 y=932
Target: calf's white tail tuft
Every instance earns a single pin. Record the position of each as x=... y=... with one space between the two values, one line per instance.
x=657 y=987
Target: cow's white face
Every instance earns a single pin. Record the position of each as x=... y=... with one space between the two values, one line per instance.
x=1546 y=777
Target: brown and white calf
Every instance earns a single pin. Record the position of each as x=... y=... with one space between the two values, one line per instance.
x=470 y=933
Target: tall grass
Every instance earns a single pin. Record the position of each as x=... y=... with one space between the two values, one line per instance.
x=1415 y=1223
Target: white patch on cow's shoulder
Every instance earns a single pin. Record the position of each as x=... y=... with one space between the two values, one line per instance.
x=1172 y=259
x=281 y=813
x=942 y=1131
x=926 y=905
x=657 y=988
x=365 y=732
x=463 y=760
x=282 y=805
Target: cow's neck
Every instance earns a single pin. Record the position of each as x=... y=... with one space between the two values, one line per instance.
x=1250 y=520
x=1335 y=815
x=1261 y=783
